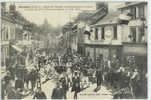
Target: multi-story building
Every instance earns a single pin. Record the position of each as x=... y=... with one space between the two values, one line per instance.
x=11 y=34
x=84 y=30
x=104 y=38
x=134 y=34
x=7 y=34
x=74 y=32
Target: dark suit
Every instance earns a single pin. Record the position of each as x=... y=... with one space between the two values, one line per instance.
x=19 y=84
x=40 y=95
x=99 y=77
x=57 y=93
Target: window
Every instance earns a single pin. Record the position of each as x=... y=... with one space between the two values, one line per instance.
x=4 y=30
x=102 y=35
x=7 y=52
x=2 y=36
x=142 y=34
x=96 y=33
x=133 y=12
x=133 y=34
x=6 y=33
x=12 y=33
x=89 y=37
x=3 y=57
x=115 y=31
x=141 y=12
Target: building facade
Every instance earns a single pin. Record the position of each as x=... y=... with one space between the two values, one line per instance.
x=105 y=38
x=11 y=34
x=7 y=35
x=85 y=30
x=134 y=36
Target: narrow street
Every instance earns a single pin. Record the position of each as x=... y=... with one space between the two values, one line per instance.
x=103 y=93
x=47 y=87
x=82 y=50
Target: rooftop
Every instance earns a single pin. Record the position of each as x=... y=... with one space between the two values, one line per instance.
x=91 y=17
x=132 y=4
x=110 y=18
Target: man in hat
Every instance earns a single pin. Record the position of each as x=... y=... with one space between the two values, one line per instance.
x=19 y=84
x=99 y=79
x=134 y=82
x=58 y=92
x=76 y=84
x=65 y=85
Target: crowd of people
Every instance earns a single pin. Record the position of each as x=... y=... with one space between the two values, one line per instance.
x=74 y=73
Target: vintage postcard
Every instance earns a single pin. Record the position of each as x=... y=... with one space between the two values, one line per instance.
x=74 y=50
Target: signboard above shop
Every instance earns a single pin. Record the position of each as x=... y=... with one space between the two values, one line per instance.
x=135 y=49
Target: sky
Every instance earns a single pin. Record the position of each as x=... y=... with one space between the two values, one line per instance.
x=57 y=13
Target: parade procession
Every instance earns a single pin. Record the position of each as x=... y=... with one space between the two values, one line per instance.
x=98 y=52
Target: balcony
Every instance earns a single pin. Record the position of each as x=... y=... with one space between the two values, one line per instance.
x=103 y=42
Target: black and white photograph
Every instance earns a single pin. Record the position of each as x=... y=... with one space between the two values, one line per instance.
x=74 y=50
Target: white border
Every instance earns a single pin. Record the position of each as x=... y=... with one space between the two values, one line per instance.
x=149 y=32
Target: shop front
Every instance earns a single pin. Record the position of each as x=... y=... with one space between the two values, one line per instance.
x=107 y=51
x=139 y=51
